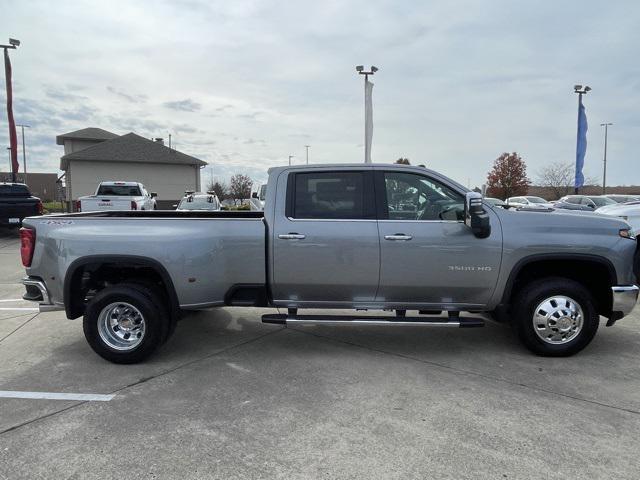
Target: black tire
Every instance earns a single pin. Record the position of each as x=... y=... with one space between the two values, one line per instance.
x=536 y=292
x=159 y=296
x=151 y=307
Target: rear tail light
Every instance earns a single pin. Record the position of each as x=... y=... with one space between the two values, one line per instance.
x=27 y=245
x=39 y=206
x=134 y=206
x=78 y=206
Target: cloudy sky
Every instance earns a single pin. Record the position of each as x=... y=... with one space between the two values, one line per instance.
x=244 y=84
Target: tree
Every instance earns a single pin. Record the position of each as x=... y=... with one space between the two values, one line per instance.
x=559 y=178
x=508 y=177
x=240 y=188
x=220 y=188
x=402 y=161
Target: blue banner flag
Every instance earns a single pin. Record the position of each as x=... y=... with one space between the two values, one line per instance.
x=581 y=145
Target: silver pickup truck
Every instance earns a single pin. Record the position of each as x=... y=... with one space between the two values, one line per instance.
x=388 y=238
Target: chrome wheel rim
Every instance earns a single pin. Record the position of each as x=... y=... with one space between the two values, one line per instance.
x=121 y=326
x=558 y=319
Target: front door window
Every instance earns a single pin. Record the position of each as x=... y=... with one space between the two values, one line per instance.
x=414 y=197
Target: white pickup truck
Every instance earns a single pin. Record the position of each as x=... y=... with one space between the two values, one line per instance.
x=118 y=196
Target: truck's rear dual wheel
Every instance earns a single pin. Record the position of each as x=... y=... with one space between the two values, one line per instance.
x=555 y=317
x=126 y=323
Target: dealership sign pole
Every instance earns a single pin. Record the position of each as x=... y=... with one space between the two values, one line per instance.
x=368 y=110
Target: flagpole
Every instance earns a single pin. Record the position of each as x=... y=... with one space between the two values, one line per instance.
x=13 y=137
x=581 y=135
x=576 y=188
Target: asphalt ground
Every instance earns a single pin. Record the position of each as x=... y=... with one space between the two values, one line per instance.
x=230 y=397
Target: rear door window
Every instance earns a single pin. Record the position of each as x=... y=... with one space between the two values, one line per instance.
x=14 y=191
x=119 y=190
x=331 y=195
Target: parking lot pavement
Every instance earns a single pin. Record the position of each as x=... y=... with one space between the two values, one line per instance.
x=229 y=397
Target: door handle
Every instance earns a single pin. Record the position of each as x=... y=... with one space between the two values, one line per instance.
x=292 y=236
x=398 y=236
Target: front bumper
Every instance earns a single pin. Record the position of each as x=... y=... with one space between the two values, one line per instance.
x=624 y=299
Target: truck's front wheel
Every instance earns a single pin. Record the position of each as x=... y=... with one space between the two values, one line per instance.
x=555 y=317
x=125 y=323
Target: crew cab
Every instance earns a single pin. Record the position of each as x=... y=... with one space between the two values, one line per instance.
x=118 y=196
x=387 y=238
x=16 y=202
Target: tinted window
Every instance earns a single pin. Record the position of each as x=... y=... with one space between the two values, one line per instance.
x=415 y=197
x=573 y=200
x=330 y=195
x=119 y=190
x=14 y=191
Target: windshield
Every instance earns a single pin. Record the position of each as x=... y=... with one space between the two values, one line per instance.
x=14 y=191
x=536 y=200
x=119 y=190
x=198 y=203
x=602 y=201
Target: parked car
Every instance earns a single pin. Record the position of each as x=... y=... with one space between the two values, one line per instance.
x=583 y=202
x=619 y=198
x=495 y=202
x=16 y=203
x=529 y=202
x=630 y=212
x=382 y=237
x=199 y=201
x=258 y=198
x=118 y=196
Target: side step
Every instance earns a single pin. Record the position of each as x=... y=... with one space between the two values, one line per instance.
x=334 y=320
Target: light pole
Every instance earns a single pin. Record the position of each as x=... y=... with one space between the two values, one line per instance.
x=581 y=136
x=307 y=147
x=604 y=161
x=24 y=151
x=13 y=141
x=368 y=110
x=290 y=157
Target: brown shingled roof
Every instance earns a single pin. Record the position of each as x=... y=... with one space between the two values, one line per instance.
x=131 y=148
x=91 y=133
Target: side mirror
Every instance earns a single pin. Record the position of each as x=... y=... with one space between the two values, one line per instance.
x=474 y=215
x=254 y=195
x=154 y=194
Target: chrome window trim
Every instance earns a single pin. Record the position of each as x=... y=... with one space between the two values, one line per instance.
x=292 y=219
x=419 y=221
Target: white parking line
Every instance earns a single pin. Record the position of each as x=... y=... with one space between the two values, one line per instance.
x=18 y=309
x=14 y=300
x=86 y=397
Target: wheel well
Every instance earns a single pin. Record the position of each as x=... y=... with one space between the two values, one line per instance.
x=597 y=276
x=86 y=279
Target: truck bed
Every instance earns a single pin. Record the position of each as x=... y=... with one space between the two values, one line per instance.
x=163 y=214
x=204 y=254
